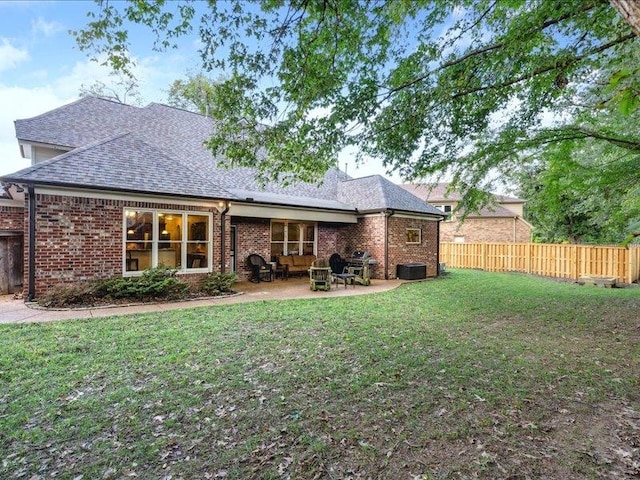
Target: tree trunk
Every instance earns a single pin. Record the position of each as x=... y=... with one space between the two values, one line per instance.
x=630 y=12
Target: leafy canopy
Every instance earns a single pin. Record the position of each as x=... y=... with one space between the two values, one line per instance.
x=473 y=88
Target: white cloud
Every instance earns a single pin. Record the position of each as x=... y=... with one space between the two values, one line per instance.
x=19 y=102
x=11 y=56
x=40 y=26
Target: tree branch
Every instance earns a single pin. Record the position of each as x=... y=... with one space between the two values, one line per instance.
x=541 y=70
x=488 y=48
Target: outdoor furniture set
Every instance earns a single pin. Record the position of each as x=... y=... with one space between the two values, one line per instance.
x=321 y=273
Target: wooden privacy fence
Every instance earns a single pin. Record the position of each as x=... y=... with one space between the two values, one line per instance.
x=549 y=260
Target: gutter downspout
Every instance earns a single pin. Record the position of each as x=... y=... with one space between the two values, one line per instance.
x=31 y=295
x=223 y=236
x=387 y=214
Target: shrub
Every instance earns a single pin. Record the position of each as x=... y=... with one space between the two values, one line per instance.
x=159 y=282
x=155 y=283
x=217 y=283
x=66 y=295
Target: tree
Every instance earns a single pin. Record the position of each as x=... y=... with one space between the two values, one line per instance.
x=473 y=89
x=582 y=193
x=197 y=94
x=122 y=89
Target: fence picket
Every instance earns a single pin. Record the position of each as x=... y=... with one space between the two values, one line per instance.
x=552 y=260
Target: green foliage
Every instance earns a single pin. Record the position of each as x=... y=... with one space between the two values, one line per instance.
x=197 y=94
x=584 y=191
x=473 y=89
x=217 y=283
x=155 y=283
x=160 y=282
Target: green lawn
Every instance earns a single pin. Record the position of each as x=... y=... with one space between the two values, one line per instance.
x=471 y=375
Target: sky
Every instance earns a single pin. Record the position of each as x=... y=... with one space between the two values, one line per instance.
x=41 y=68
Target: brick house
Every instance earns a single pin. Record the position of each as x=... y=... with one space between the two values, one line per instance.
x=114 y=189
x=501 y=222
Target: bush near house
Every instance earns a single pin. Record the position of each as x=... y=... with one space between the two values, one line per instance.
x=158 y=283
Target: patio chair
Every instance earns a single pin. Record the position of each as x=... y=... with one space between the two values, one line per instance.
x=260 y=269
x=337 y=263
x=339 y=271
x=320 y=275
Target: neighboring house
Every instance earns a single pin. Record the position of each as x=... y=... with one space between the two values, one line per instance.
x=114 y=189
x=502 y=222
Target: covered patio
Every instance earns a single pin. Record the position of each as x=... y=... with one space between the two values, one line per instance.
x=298 y=287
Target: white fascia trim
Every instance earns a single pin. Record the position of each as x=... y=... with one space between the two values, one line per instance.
x=52 y=146
x=413 y=216
x=290 y=213
x=417 y=217
x=128 y=197
x=8 y=202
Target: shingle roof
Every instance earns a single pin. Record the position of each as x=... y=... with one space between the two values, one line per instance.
x=437 y=192
x=80 y=123
x=122 y=163
x=375 y=193
x=161 y=149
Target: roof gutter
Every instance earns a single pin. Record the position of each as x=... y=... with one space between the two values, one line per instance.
x=31 y=295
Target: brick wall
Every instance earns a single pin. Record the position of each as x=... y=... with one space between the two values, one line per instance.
x=78 y=239
x=368 y=235
x=253 y=235
x=11 y=218
x=328 y=240
x=490 y=230
x=402 y=252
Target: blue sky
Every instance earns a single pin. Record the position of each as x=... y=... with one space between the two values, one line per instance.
x=41 y=68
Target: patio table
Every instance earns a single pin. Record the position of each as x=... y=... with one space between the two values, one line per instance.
x=346 y=278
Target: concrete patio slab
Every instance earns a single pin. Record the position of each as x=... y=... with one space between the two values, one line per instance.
x=16 y=311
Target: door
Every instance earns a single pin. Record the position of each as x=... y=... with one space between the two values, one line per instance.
x=10 y=264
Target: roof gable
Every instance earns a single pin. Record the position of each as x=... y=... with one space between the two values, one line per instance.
x=375 y=193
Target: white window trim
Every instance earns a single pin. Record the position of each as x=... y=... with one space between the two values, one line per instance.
x=154 y=243
x=419 y=236
x=301 y=242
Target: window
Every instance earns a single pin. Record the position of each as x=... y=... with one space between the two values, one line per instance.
x=292 y=238
x=458 y=239
x=414 y=236
x=175 y=239
x=444 y=208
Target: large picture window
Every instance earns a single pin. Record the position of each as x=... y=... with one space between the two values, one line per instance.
x=174 y=239
x=292 y=238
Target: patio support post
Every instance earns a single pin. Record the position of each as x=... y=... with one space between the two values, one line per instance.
x=32 y=243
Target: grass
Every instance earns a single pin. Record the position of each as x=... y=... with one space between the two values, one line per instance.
x=475 y=375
